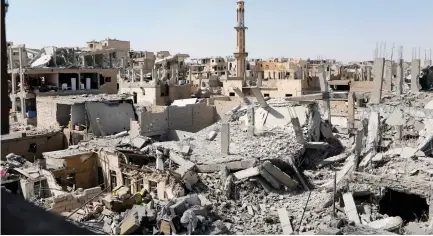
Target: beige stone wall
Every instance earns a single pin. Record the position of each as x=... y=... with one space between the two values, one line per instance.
x=222 y=107
x=228 y=86
x=191 y=118
x=85 y=172
x=279 y=88
x=52 y=141
x=146 y=96
x=47 y=110
x=179 y=92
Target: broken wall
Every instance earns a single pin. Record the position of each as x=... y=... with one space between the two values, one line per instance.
x=78 y=114
x=222 y=107
x=190 y=118
x=71 y=201
x=109 y=161
x=145 y=95
x=114 y=117
x=47 y=112
x=52 y=141
x=84 y=167
x=179 y=92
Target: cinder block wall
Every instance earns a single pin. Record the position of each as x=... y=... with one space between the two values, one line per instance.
x=72 y=201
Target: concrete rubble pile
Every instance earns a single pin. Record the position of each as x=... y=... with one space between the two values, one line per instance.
x=273 y=166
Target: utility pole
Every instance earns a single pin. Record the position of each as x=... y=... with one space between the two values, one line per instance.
x=5 y=100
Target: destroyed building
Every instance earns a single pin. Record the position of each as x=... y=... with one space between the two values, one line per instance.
x=166 y=82
x=153 y=160
x=55 y=72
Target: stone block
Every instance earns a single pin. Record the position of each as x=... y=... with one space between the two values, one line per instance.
x=250 y=172
x=139 y=142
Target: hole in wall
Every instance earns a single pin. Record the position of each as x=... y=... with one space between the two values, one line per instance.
x=409 y=207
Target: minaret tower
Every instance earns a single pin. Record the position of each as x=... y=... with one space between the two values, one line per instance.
x=240 y=53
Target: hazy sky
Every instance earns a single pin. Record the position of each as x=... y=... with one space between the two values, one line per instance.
x=341 y=29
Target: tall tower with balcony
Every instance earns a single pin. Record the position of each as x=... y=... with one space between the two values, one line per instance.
x=240 y=53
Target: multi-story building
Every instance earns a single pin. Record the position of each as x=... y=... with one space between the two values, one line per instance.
x=55 y=71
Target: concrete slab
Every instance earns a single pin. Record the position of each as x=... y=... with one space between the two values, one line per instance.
x=285 y=221
x=129 y=224
x=259 y=96
x=279 y=175
x=270 y=179
x=138 y=142
x=350 y=208
x=250 y=172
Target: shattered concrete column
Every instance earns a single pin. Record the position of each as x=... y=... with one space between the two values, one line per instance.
x=259 y=96
x=225 y=138
x=388 y=77
x=399 y=89
x=251 y=123
x=400 y=77
x=368 y=74
x=351 y=111
x=141 y=76
x=259 y=79
x=325 y=91
x=358 y=147
x=314 y=122
x=22 y=90
x=376 y=94
x=415 y=71
x=298 y=130
x=11 y=59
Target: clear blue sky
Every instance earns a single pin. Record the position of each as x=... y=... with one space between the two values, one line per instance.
x=341 y=29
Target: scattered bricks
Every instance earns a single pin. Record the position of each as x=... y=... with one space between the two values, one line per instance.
x=279 y=175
